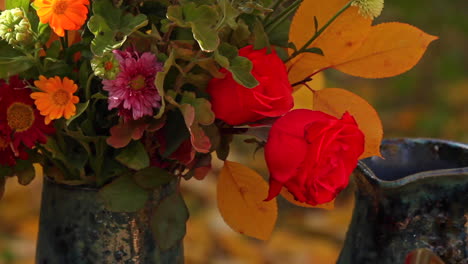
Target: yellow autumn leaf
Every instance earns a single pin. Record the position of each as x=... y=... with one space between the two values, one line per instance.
x=336 y=101
x=240 y=195
x=389 y=49
x=290 y=198
x=337 y=42
x=303 y=96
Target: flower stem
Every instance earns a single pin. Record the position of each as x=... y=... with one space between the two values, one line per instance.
x=320 y=31
x=269 y=26
x=274 y=7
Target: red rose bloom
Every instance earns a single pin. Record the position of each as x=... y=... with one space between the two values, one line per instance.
x=312 y=154
x=236 y=104
x=19 y=117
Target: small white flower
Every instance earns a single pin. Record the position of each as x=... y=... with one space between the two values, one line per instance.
x=369 y=8
x=15 y=27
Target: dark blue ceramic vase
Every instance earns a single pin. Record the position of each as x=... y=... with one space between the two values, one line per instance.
x=415 y=197
x=76 y=228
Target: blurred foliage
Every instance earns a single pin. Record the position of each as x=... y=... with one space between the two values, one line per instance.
x=431 y=100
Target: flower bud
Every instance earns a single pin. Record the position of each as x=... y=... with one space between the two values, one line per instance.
x=369 y=8
x=15 y=27
x=106 y=66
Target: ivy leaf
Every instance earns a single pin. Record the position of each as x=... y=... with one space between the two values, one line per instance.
x=200 y=142
x=159 y=82
x=169 y=221
x=229 y=13
x=123 y=195
x=111 y=26
x=152 y=177
x=240 y=67
x=134 y=156
x=201 y=19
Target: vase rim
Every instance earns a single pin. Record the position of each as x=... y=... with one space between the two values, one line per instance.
x=456 y=172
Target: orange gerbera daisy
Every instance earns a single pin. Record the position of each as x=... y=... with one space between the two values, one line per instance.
x=62 y=14
x=56 y=99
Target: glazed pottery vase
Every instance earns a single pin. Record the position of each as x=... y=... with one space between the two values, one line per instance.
x=76 y=228
x=416 y=196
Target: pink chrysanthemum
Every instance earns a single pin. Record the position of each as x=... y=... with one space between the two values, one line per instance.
x=133 y=91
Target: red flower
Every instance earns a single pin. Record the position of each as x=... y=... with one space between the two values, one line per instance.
x=236 y=104
x=312 y=154
x=18 y=116
x=7 y=156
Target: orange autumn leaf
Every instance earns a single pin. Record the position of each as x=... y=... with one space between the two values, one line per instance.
x=240 y=195
x=389 y=49
x=303 y=96
x=336 y=101
x=290 y=198
x=337 y=42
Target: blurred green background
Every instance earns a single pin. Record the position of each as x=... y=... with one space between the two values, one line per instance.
x=431 y=100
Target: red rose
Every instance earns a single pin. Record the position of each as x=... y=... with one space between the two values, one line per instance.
x=236 y=104
x=312 y=154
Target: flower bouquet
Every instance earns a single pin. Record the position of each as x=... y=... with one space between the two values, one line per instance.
x=131 y=96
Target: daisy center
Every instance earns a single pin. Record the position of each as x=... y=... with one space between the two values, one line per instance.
x=60 y=7
x=61 y=97
x=138 y=82
x=20 y=117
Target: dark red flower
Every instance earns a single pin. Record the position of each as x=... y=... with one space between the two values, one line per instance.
x=7 y=155
x=236 y=104
x=19 y=117
x=312 y=154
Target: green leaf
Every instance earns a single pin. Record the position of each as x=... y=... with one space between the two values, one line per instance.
x=222 y=152
x=111 y=26
x=261 y=38
x=152 y=177
x=54 y=50
x=169 y=221
x=80 y=109
x=12 y=61
x=43 y=32
x=134 y=156
x=229 y=13
x=240 y=67
x=279 y=36
x=160 y=77
x=24 y=4
x=202 y=19
x=25 y=172
x=124 y=195
x=175 y=132
x=314 y=50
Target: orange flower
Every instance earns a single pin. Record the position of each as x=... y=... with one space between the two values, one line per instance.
x=56 y=99
x=62 y=14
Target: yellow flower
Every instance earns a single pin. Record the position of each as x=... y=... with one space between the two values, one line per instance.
x=369 y=8
x=56 y=99
x=62 y=14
